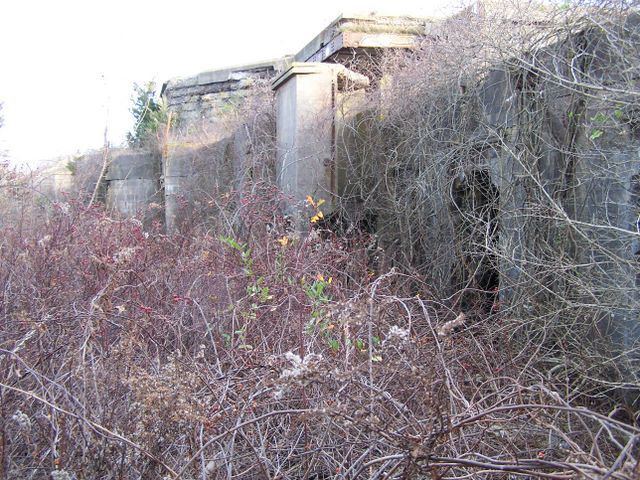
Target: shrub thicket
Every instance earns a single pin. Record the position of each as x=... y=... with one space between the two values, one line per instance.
x=244 y=350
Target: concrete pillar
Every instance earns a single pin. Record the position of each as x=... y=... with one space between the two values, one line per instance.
x=306 y=131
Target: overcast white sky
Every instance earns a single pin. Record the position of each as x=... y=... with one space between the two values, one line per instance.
x=67 y=67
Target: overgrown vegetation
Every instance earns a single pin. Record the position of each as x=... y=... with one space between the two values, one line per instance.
x=501 y=164
x=453 y=326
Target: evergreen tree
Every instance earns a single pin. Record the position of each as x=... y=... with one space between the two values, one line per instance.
x=149 y=113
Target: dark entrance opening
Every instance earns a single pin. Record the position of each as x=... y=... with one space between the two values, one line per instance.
x=475 y=210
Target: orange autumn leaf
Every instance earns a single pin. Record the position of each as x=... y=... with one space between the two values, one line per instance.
x=284 y=241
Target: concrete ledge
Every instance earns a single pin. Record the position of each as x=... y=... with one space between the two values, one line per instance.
x=238 y=72
x=342 y=73
x=364 y=31
x=304 y=68
x=226 y=74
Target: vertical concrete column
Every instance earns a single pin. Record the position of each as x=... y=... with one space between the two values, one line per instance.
x=305 y=131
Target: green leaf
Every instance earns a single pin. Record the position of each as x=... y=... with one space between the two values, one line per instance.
x=595 y=134
x=241 y=247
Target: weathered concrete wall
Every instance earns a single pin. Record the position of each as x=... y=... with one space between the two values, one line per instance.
x=133 y=184
x=568 y=185
x=202 y=179
x=200 y=100
x=195 y=176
